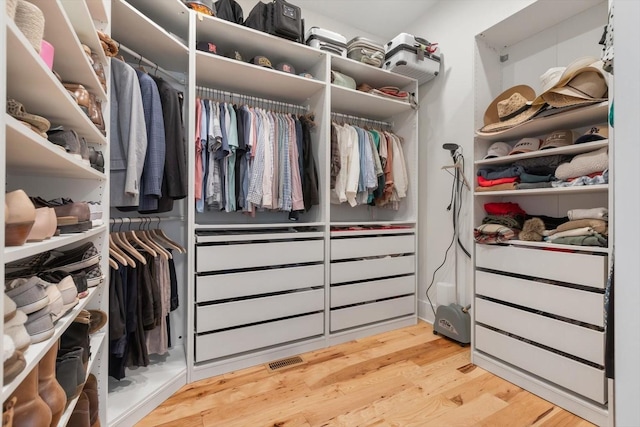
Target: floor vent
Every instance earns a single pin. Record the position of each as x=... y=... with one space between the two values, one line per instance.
x=285 y=363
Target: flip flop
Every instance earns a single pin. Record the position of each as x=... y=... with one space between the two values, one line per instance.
x=16 y=109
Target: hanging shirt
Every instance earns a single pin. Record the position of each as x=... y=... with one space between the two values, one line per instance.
x=198 y=145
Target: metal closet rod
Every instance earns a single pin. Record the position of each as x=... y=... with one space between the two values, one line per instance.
x=221 y=95
x=355 y=120
x=149 y=62
x=141 y=219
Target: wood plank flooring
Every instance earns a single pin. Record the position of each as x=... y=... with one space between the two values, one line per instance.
x=407 y=377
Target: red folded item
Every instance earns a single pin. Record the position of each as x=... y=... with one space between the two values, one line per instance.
x=504 y=208
x=483 y=182
x=591 y=175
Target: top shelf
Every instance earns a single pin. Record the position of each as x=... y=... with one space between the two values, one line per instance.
x=172 y=15
x=583 y=116
x=569 y=150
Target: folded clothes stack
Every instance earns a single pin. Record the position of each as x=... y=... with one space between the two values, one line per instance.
x=583 y=227
x=502 y=223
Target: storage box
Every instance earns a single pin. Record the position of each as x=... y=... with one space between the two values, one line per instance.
x=326 y=40
x=413 y=57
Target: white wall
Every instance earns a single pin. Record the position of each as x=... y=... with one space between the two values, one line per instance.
x=447 y=115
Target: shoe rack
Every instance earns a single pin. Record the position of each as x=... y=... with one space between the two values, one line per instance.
x=32 y=163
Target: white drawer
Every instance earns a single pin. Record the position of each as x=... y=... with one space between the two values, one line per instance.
x=578 y=268
x=372 y=246
x=585 y=343
x=233 y=341
x=233 y=285
x=366 y=269
x=575 y=376
x=227 y=257
x=237 y=313
x=344 y=318
x=371 y=291
x=572 y=303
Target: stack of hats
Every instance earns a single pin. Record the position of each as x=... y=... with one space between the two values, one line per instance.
x=29 y=19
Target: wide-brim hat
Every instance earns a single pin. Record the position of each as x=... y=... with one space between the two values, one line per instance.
x=509 y=109
x=552 y=80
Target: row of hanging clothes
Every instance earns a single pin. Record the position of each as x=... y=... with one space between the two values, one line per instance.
x=368 y=165
x=148 y=160
x=143 y=290
x=253 y=155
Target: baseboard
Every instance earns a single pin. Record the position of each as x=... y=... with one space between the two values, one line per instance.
x=424 y=312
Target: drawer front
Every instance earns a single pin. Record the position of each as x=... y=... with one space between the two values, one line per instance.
x=581 y=269
x=371 y=291
x=344 y=318
x=366 y=269
x=372 y=246
x=578 y=377
x=227 y=257
x=220 y=344
x=233 y=285
x=572 y=339
x=567 y=302
x=237 y=313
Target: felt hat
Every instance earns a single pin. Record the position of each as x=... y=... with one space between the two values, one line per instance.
x=558 y=138
x=509 y=109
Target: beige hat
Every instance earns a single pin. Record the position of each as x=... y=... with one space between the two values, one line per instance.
x=509 y=109
x=558 y=138
x=569 y=87
x=497 y=149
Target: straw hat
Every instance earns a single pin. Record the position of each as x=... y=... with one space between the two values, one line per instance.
x=509 y=109
x=30 y=20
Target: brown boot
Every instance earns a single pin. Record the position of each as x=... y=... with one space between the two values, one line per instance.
x=30 y=409
x=91 y=390
x=48 y=387
x=80 y=415
x=7 y=412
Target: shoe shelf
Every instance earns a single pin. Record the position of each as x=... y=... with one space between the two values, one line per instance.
x=15 y=253
x=79 y=15
x=40 y=92
x=28 y=153
x=249 y=79
x=363 y=104
x=95 y=343
x=167 y=51
x=35 y=352
x=582 y=116
x=569 y=150
x=561 y=191
x=70 y=61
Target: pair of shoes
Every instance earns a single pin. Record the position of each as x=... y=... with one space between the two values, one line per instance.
x=96 y=159
x=32 y=298
x=96 y=318
x=71 y=217
x=38 y=124
x=45 y=225
x=13 y=359
x=71 y=142
x=20 y=216
x=63 y=278
x=77 y=336
x=66 y=292
x=90 y=390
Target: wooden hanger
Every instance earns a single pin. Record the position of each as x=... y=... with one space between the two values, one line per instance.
x=116 y=253
x=146 y=237
x=159 y=233
x=120 y=239
x=113 y=264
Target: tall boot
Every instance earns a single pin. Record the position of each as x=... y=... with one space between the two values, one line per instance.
x=48 y=387
x=7 y=412
x=91 y=390
x=30 y=409
x=77 y=335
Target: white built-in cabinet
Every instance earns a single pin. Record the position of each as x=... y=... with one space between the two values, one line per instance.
x=261 y=288
x=31 y=163
x=538 y=314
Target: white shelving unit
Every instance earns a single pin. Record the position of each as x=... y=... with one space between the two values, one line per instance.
x=40 y=168
x=537 y=316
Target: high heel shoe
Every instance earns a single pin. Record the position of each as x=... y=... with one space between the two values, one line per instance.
x=19 y=222
x=80 y=94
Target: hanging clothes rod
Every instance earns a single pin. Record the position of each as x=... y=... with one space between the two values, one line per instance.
x=221 y=95
x=144 y=219
x=355 y=120
x=137 y=57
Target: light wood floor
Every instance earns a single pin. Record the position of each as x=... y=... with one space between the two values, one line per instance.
x=407 y=377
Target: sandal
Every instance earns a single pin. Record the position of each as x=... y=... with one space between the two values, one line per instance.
x=109 y=46
x=16 y=110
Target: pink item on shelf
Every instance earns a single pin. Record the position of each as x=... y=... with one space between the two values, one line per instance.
x=46 y=53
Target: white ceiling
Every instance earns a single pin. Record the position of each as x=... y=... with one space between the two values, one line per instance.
x=385 y=18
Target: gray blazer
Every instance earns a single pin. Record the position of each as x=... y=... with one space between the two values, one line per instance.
x=128 y=135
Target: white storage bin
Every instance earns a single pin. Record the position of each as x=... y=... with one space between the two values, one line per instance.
x=358 y=315
x=371 y=291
